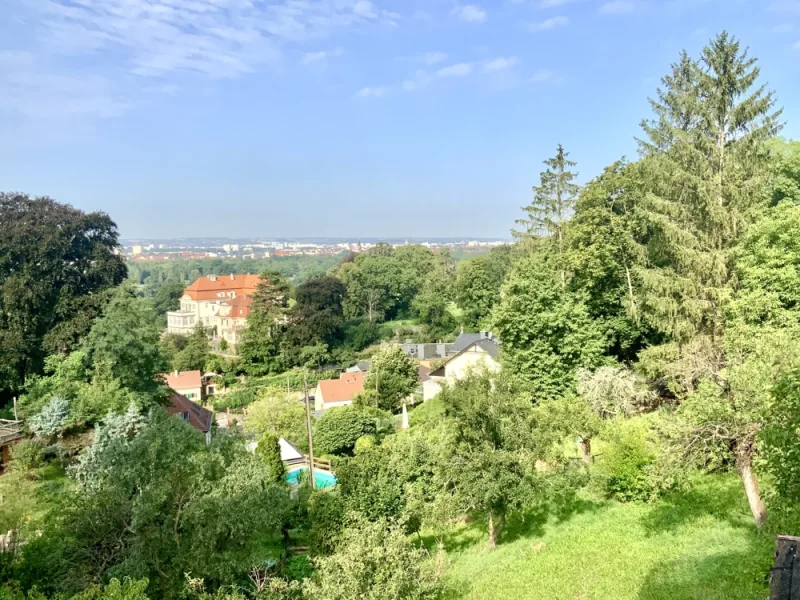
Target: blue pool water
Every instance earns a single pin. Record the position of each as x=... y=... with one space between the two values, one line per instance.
x=321 y=478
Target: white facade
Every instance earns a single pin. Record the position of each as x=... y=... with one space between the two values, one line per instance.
x=473 y=357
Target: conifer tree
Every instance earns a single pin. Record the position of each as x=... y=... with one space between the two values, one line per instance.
x=553 y=200
x=705 y=162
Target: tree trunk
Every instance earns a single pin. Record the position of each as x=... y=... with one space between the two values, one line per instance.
x=586 y=449
x=496 y=524
x=744 y=462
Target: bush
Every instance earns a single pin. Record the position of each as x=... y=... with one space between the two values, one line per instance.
x=628 y=462
x=26 y=456
x=50 y=420
x=326 y=515
x=365 y=443
x=337 y=431
x=375 y=560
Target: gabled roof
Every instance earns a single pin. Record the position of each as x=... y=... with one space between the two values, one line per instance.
x=490 y=346
x=197 y=416
x=184 y=380
x=464 y=339
x=342 y=389
x=423 y=374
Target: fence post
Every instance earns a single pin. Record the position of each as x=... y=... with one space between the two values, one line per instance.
x=784 y=582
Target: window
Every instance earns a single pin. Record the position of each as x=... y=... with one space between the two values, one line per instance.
x=185 y=416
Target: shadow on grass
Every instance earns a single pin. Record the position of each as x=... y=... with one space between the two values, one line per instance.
x=740 y=574
x=719 y=497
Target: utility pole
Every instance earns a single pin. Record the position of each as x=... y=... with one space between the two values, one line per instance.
x=15 y=409
x=308 y=429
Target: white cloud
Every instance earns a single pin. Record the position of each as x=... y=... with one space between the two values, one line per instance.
x=457 y=70
x=500 y=63
x=545 y=76
x=433 y=58
x=551 y=23
x=372 y=92
x=553 y=3
x=618 y=7
x=471 y=13
x=310 y=58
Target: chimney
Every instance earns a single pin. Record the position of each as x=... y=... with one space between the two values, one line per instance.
x=212 y=277
x=233 y=277
x=177 y=373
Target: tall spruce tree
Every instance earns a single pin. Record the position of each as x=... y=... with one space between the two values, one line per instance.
x=553 y=200
x=705 y=163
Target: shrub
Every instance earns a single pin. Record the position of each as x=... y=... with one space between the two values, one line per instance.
x=326 y=516
x=337 y=431
x=269 y=449
x=26 y=456
x=50 y=420
x=365 y=443
x=628 y=462
x=375 y=560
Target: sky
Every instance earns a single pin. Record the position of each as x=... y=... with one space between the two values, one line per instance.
x=342 y=118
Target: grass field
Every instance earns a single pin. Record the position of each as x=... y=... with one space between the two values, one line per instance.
x=699 y=544
x=26 y=498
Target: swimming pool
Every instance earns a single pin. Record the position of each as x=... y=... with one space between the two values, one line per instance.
x=323 y=479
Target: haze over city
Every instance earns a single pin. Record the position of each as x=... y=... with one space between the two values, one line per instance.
x=341 y=117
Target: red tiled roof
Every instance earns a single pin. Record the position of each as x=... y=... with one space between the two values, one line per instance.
x=194 y=414
x=184 y=380
x=344 y=388
x=209 y=287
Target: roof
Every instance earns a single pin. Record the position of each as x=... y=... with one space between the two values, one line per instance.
x=342 y=389
x=464 y=339
x=290 y=452
x=489 y=345
x=209 y=287
x=184 y=380
x=362 y=365
x=423 y=373
x=197 y=416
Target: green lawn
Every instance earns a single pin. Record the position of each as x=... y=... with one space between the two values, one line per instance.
x=26 y=498
x=700 y=544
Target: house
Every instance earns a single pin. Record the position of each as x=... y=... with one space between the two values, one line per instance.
x=331 y=393
x=219 y=303
x=191 y=412
x=361 y=366
x=427 y=351
x=10 y=433
x=187 y=383
x=482 y=352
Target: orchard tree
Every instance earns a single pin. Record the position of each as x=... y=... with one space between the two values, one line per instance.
x=393 y=375
x=491 y=449
x=281 y=415
x=56 y=265
x=338 y=429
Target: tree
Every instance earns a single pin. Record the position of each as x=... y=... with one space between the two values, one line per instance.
x=56 y=263
x=478 y=284
x=317 y=314
x=553 y=201
x=261 y=350
x=338 y=429
x=375 y=560
x=431 y=305
x=706 y=167
x=490 y=451
x=394 y=375
x=278 y=414
x=168 y=297
x=155 y=512
x=124 y=344
x=194 y=353
x=546 y=330
x=49 y=422
x=269 y=449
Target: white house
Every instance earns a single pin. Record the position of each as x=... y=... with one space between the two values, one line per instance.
x=331 y=393
x=483 y=352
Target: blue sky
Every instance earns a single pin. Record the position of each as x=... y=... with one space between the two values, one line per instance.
x=341 y=117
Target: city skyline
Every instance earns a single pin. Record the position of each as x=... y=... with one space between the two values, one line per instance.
x=422 y=118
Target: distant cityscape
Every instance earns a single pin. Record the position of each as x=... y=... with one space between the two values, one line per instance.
x=163 y=250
